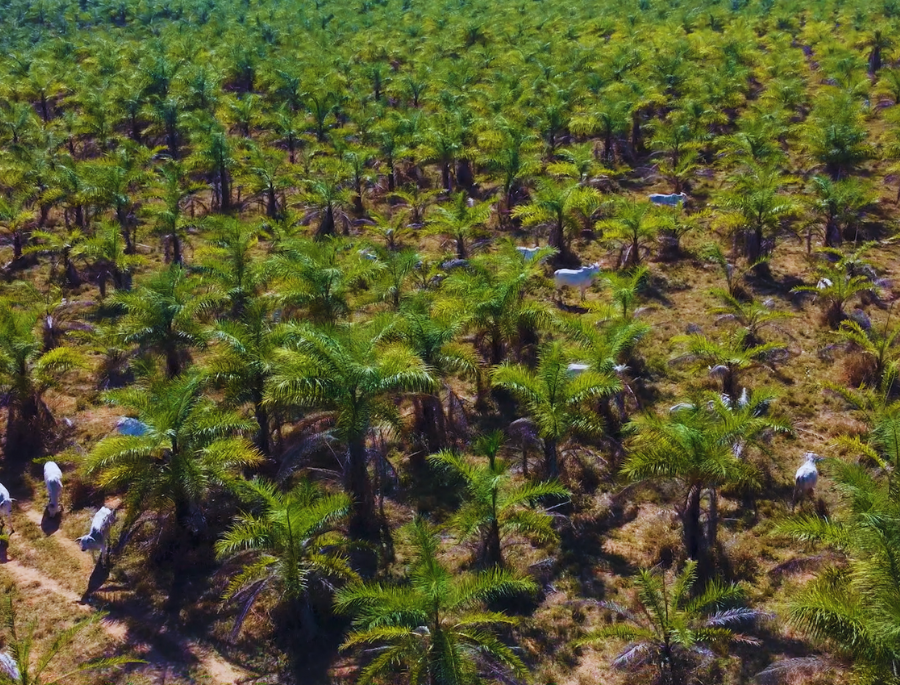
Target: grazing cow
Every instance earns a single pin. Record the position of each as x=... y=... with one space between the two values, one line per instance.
x=528 y=252
x=669 y=200
x=98 y=537
x=455 y=264
x=824 y=283
x=681 y=406
x=129 y=426
x=718 y=371
x=9 y=667
x=806 y=478
x=5 y=508
x=574 y=370
x=366 y=253
x=53 y=481
x=576 y=278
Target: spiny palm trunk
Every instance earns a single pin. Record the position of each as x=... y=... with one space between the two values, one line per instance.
x=224 y=190
x=712 y=522
x=363 y=522
x=433 y=423
x=492 y=551
x=446 y=177
x=23 y=432
x=461 y=251
x=122 y=218
x=833 y=236
x=551 y=457
x=177 y=256
x=326 y=226
x=262 y=418
x=173 y=362
x=690 y=522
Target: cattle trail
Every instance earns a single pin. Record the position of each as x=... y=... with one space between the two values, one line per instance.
x=220 y=670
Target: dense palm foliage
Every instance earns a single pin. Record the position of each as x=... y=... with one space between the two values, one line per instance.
x=673 y=630
x=288 y=548
x=434 y=628
x=281 y=238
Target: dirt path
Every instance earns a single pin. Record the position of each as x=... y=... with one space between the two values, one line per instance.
x=220 y=671
x=28 y=576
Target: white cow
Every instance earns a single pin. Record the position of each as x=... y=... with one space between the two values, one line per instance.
x=129 y=426
x=5 y=508
x=576 y=278
x=806 y=478
x=670 y=200
x=824 y=283
x=98 y=537
x=9 y=667
x=53 y=481
x=528 y=252
x=576 y=369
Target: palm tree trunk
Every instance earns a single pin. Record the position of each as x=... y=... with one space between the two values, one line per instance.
x=363 y=523
x=173 y=362
x=461 y=251
x=712 y=522
x=177 y=257
x=833 y=236
x=690 y=522
x=446 y=179
x=326 y=226
x=551 y=457
x=493 y=553
x=262 y=418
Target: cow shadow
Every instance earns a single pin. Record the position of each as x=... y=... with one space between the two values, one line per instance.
x=50 y=524
x=571 y=308
x=99 y=576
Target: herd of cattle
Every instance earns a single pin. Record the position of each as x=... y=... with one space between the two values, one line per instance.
x=101 y=524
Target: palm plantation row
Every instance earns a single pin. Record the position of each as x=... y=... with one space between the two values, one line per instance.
x=283 y=239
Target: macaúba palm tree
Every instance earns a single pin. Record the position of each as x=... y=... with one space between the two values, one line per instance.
x=326 y=199
x=171 y=223
x=287 y=545
x=106 y=251
x=162 y=316
x=835 y=136
x=633 y=228
x=561 y=208
x=189 y=447
x=756 y=208
x=752 y=316
x=492 y=293
x=460 y=220
x=432 y=628
x=726 y=358
x=693 y=448
x=348 y=371
x=673 y=629
x=27 y=372
x=838 y=283
x=556 y=402
x=496 y=506
x=32 y=669
x=435 y=339
x=838 y=205
x=242 y=359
